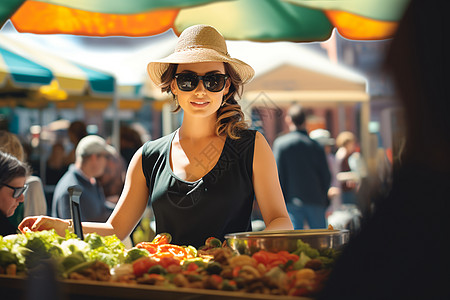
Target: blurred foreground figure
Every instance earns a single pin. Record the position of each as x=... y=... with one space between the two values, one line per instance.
x=13 y=174
x=401 y=251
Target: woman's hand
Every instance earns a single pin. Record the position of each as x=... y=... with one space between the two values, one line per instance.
x=39 y=223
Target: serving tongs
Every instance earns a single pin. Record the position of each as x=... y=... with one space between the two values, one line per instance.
x=74 y=196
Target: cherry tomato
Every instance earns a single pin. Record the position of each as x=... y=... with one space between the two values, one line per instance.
x=192 y=267
x=236 y=271
x=217 y=278
x=142 y=265
x=167 y=261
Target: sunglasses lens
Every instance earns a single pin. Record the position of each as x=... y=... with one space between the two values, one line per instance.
x=187 y=82
x=19 y=191
x=215 y=82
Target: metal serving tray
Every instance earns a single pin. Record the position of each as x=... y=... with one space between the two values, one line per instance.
x=274 y=241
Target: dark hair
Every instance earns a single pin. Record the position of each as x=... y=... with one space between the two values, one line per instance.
x=130 y=136
x=78 y=129
x=230 y=118
x=11 y=168
x=418 y=61
x=297 y=115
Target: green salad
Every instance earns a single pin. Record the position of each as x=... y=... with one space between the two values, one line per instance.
x=25 y=251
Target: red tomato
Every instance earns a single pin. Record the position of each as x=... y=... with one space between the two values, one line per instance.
x=236 y=271
x=271 y=260
x=142 y=265
x=217 y=278
x=288 y=256
x=275 y=263
x=150 y=247
x=167 y=261
x=173 y=250
x=261 y=257
x=192 y=267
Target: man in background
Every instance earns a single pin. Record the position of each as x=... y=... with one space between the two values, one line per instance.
x=90 y=162
x=303 y=172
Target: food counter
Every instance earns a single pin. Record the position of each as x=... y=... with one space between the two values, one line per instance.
x=263 y=265
x=17 y=287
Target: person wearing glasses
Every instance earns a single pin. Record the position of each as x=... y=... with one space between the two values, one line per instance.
x=13 y=175
x=35 y=201
x=201 y=179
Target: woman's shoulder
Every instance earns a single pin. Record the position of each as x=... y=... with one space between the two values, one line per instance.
x=246 y=134
x=157 y=144
x=244 y=143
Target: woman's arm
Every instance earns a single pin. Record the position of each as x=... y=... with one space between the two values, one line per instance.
x=267 y=187
x=126 y=215
x=131 y=204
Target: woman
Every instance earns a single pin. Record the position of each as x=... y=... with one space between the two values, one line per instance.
x=13 y=174
x=346 y=143
x=35 y=202
x=202 y=178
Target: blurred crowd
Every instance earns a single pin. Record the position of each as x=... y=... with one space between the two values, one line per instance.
x=340 y=159
x=324 y=179
x=87 y=160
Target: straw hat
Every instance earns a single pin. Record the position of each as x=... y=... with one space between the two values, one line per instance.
x=199 y=43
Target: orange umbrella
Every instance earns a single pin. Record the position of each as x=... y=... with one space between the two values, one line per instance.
x=258 y=20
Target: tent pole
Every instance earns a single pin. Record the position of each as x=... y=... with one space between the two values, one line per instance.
x=366 y=150
x=116 y=121
x=42 y=161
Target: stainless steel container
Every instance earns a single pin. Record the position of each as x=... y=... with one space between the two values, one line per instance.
x=274 y=241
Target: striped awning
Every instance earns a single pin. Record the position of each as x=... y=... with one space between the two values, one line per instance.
x=24 y=67
x=257 y=20
x=21 y=71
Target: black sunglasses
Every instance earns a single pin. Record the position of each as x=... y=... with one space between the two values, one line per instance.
x=17 y=191
x=213 y=82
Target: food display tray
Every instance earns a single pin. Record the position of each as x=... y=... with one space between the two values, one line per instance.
x=14 y=287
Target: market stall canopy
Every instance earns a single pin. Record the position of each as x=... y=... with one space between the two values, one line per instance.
x=257 y=20
x=21 y=71
x=23 y=68
x=287 y=72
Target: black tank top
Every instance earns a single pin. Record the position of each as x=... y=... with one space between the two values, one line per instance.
x=219 y=203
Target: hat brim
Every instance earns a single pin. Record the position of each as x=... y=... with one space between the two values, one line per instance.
x=156 y=68
x=110 y=150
